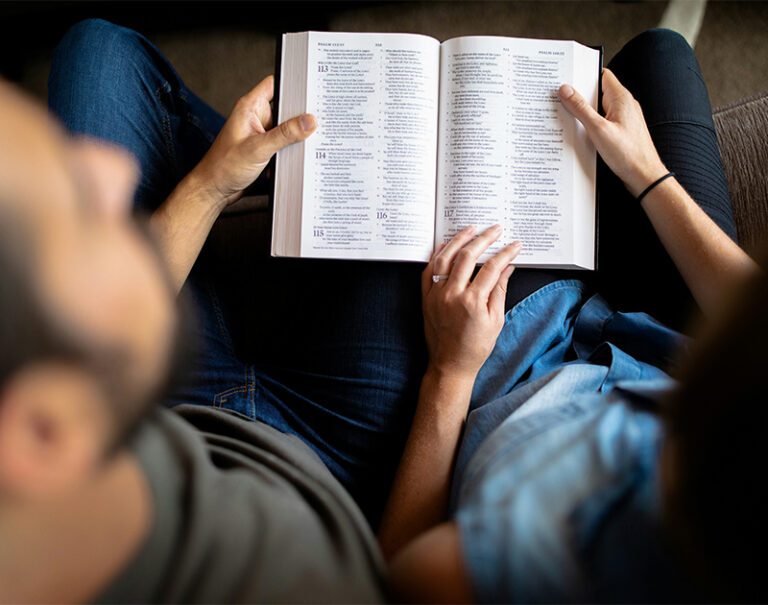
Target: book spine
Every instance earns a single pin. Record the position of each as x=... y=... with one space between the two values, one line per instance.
x=275 y=115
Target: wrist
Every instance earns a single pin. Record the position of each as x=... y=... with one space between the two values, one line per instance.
x=444 y=397
x=644 y=176
x=196 y=188
x=450 y=377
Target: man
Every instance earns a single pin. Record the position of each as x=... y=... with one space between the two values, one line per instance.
x=329 y=352
x=212 y=508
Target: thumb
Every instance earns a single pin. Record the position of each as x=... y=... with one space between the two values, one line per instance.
x=288 y=132
x=578 y=107
x=613 y=90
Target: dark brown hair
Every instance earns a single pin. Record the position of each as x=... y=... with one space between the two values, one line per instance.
x=717 y=424
x=29 y=334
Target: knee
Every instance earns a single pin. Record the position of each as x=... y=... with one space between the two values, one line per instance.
x=92 y=47
x=659 y=44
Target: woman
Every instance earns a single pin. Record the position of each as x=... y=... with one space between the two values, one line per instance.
x=567 y=485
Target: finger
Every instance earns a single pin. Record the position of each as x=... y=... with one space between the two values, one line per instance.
x=426 y=275
x=577 y=106
x=466 y=258
x=498 y=296
x=286 y=133
x=488 y=276
x=437 y=251
x=258 y=98
x=441 y=264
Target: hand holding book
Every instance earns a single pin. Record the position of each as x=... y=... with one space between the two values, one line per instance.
x=247 y=142
x=621 y=137
x=240 y=152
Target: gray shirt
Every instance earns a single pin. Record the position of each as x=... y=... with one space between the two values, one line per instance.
x=244 y=513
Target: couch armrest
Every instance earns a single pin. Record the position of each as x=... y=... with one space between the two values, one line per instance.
x=742 y=130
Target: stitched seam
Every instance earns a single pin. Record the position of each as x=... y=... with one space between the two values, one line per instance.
x=250 y=376
x=689 y=122
x=165 y=120
x=221 y=398
x=222 y=324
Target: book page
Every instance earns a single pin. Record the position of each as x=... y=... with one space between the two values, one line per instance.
x=369 y=170
x=506 y=147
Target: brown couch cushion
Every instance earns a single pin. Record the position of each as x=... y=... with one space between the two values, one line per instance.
x=742 y=129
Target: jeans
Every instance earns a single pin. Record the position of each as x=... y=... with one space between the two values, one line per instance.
x=635 y=273
x=330 y=351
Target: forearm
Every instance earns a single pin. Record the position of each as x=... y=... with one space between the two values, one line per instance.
x=182 y=224
x=419 y=496
x=708 y=260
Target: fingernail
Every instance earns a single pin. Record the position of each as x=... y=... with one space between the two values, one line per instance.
x=516 y=245
x=307 y=122
x=496 y=227
x=566 y=91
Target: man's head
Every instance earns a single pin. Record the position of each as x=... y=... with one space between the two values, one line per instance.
x=87 y=318
x=714 y=457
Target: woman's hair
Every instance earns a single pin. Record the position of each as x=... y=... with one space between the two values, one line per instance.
x=717 y=422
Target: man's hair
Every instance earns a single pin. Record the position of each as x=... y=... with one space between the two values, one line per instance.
x=717 y=424
x=26 y=333
x=30 y=332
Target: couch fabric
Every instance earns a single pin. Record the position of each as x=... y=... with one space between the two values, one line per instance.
x=742 y=129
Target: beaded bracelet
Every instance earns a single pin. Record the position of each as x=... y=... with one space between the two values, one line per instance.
x=648 y=189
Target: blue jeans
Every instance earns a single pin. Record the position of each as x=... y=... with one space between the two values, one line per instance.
x=329 y=351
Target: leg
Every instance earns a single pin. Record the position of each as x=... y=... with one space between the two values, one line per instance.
x=336 y=353
x=111 y=83
x=635 y=272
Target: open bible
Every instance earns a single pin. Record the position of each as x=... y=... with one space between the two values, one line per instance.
x=417 y=140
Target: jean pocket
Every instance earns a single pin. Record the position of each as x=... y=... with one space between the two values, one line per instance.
x=237 y=399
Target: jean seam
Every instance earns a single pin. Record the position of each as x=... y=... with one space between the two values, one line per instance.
x=250 y=377
x=220 y=321
x=165 y=120
x=697 y=73
x=688 y=122
x=192 y=120
x=221 y=396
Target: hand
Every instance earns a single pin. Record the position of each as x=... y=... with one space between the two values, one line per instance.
x=463 y=318
x=246 y=144
x=621 y=137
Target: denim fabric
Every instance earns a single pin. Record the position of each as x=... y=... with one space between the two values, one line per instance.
x=113 y=84
x=562 y=424
x=330 y=351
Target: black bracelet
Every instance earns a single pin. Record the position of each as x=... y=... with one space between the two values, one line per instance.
x=647 y=190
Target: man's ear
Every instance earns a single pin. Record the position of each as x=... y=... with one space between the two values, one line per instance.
x=53 y=429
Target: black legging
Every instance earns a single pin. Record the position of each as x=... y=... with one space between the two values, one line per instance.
x=634 y=271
